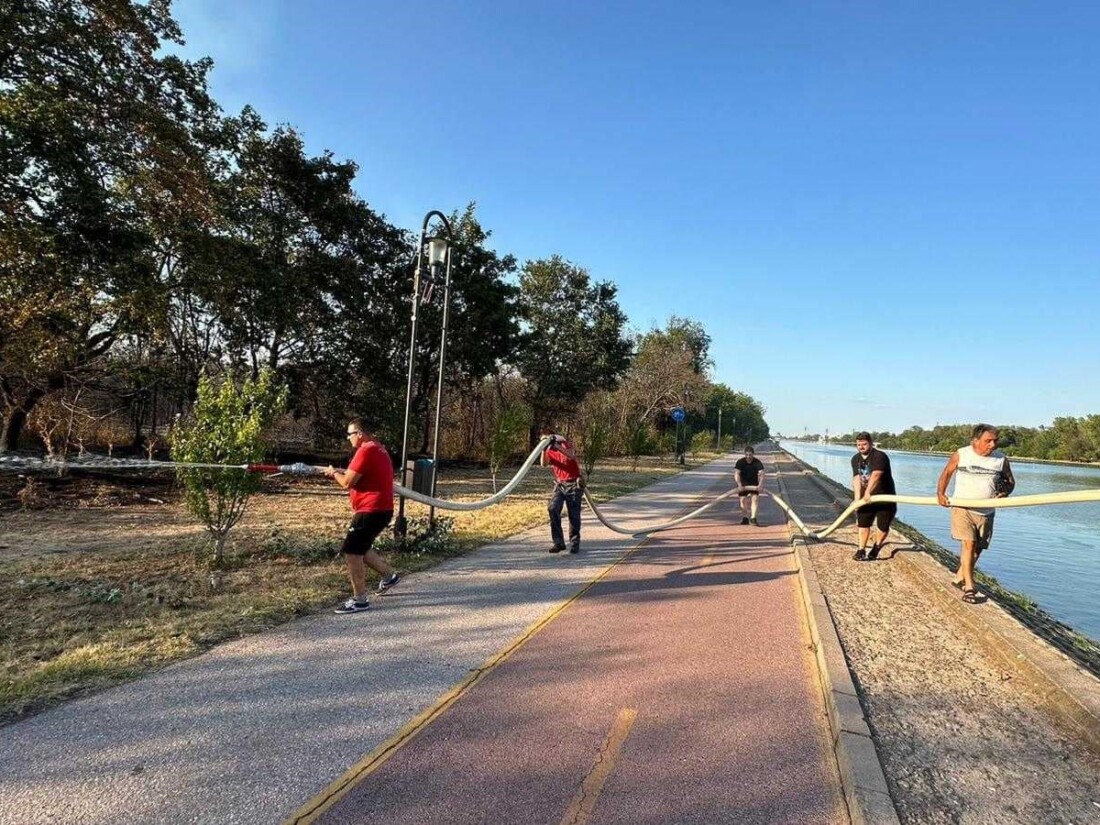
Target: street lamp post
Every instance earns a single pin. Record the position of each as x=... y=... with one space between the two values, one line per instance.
x=438 y=254
x=439 y=250
x=719 y=446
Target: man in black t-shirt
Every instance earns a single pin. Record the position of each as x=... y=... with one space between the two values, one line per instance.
x=871 y=476
x=748 y=472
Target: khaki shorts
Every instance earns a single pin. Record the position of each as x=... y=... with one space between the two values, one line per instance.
x=968 y=525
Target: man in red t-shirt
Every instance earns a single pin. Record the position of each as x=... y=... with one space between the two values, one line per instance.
x=369 y=482
x=568 y=489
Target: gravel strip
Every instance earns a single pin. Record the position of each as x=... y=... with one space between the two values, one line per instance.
x=961 y=739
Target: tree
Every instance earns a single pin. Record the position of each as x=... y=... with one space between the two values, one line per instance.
x=508 y=427
x=596 y=429
x=742 y=415
x=572 y=338
x=226 y=426
x=668 y=370
x=100 y=135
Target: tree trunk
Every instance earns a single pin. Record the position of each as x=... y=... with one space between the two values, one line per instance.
x=15 y=418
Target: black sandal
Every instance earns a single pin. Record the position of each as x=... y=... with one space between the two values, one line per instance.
x=970 y=596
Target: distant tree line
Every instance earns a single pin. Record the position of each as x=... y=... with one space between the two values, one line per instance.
x=1067 y=439
x=149 y=239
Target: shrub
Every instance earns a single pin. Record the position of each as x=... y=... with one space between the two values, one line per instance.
x=226 y=426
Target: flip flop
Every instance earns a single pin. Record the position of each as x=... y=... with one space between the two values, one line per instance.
x=970 y=596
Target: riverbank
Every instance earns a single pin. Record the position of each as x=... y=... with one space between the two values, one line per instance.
x=963 y=733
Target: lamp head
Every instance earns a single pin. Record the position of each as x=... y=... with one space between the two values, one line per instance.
x=437 y=251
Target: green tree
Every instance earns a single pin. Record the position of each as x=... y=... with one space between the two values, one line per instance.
x=668 y=370
x=742 y=415
x=505 y=435
x=102 y=136
x=226 y=426
x=596 y=430
x=571 y=339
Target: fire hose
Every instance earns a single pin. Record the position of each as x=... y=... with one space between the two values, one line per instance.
x=10 y=462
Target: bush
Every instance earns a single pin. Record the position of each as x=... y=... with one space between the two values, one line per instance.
x=227 y=427
x=421 y=537
x=703 y=442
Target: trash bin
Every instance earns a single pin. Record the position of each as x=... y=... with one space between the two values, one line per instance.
x=420 y=471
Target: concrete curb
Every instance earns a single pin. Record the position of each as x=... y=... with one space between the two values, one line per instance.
x=862 y=779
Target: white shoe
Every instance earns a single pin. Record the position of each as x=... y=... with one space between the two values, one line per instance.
x=352 y=606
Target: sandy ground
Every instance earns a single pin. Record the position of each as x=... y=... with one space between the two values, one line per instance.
x=960 y=739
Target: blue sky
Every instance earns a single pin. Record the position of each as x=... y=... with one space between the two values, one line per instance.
x=885 y=214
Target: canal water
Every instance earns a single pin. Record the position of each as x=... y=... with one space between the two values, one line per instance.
x=1051 y=553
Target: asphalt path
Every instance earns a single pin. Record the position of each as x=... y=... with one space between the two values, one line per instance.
x=679 y=688
x=251 y=730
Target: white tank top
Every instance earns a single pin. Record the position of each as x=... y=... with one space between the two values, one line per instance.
x=974 y=478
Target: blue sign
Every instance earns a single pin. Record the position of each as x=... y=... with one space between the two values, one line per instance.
x=678 y=414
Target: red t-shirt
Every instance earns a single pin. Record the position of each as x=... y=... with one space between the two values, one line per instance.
x=562 y=466
x=373 y=492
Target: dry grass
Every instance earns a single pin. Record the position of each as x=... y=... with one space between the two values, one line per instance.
x=93 y=595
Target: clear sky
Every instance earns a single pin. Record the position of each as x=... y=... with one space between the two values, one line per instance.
x=885 y=214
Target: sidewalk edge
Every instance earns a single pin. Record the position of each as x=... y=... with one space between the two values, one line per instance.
x=863 y=781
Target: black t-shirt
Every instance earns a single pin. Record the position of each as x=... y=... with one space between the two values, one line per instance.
x=875 y=460
x=750 y=471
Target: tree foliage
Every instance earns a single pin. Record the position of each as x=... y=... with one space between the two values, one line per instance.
x=148 y=240
x=1066 y=439
x=572 y=339
x=99 y=143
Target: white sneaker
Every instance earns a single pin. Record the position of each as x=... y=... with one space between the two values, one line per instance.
x=352 y=606
x=386 y=584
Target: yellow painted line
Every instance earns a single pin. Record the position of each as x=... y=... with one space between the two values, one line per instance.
x=584 y=803
x=336 y=790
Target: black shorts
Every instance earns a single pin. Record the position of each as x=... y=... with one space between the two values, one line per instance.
x=883 y=514
x=363 y=530
x=743 y=493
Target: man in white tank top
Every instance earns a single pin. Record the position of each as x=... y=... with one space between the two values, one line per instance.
x=981 y=471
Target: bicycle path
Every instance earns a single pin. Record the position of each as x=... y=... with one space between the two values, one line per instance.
x=679 y=688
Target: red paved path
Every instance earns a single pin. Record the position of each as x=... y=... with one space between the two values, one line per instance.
x=713 y=658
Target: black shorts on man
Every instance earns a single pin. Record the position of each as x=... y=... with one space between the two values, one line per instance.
x=883 y=514
x=363 y=530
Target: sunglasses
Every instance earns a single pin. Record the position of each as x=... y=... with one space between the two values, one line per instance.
x=355 y=433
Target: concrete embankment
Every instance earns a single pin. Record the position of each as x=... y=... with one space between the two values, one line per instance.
x=974 y=717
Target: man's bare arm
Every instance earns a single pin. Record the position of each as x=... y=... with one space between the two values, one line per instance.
x=1010 y=479
x=345 y=478
x=945 y=479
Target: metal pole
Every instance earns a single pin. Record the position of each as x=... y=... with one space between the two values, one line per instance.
x=442 y=354
x=400 y=526
x=719 y=429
